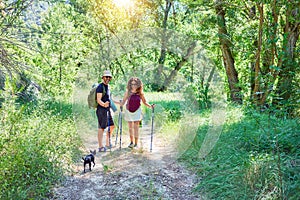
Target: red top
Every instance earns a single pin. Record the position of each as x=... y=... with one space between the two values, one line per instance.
x=134 y=102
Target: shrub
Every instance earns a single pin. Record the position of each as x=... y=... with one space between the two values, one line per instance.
x=36 y=148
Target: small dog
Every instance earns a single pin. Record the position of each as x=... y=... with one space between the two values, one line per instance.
x=89 y=159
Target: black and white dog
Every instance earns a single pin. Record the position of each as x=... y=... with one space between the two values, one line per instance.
x=89 y=159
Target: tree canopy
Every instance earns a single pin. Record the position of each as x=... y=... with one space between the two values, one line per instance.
x=253 y=45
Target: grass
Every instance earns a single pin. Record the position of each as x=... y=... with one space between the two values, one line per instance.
x=251 y=159
x=257 y=156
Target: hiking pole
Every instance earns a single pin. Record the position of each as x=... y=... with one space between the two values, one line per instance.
x=152 y=121
x=118 y=128
x=121 y=110
x=108 y=130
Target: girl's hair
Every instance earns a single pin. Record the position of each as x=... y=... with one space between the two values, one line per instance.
x=139 y=83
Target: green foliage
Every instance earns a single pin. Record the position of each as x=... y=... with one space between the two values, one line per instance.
x=60 y=47
x=172 y=109
x=256 y=157
x=200 y=93
x=37 y=147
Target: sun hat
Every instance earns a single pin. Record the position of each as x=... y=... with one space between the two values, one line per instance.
x=106 y=73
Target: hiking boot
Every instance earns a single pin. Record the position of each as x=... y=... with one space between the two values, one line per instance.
x=130 y=145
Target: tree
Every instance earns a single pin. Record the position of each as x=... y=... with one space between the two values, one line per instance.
x=228 y=59
x=275 y=59
x=60 y=45
x=288 y=63
x=9 y=43
x=164 y=15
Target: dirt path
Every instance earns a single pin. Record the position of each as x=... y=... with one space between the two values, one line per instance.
x=131 y=174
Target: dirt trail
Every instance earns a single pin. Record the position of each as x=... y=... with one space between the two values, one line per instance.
x=131 y=174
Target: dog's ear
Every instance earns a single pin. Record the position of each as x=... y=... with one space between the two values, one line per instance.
x=93 y=152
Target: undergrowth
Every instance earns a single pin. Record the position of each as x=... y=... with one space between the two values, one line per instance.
x=256 y=157
x=38 y=143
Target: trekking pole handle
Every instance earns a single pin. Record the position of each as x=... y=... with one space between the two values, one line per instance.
x=152 y=107
x=121 y=107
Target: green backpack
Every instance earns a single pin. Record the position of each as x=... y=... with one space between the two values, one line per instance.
x=92 y=97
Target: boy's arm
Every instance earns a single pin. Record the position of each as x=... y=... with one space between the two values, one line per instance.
x=100 y=102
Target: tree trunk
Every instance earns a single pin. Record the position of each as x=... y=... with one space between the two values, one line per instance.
x=228 y=59
x=178 y=66
x=287 y=62
x=257 y=93
x=273 y=35
x=162 y=57
x=60 y=60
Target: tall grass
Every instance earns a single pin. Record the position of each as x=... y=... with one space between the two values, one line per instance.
x=37 y=145
x=257 y=157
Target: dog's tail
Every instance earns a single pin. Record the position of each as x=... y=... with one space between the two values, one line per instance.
x=82 y=158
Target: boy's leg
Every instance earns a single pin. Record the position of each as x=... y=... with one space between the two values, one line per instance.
x=108 y=134
x=110 y=123
x=102 y=121
x=100 y=137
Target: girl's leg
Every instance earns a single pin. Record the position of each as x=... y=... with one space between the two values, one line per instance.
x=136 y=132
x=130 y=126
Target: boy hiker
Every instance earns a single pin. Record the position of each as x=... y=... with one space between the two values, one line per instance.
x=103 y=111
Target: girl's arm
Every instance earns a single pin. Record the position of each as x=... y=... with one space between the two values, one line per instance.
x=116 y=102
x=124 y=99
x=145 y=101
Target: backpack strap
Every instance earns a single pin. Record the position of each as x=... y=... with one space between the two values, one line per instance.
x=104 y=91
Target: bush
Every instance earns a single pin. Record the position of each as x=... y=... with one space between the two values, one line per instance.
x=172 y=109
x=36 y=147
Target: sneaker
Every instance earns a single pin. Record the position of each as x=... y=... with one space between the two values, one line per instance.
x=135 y=146
x=102 y=149
x=130 y=145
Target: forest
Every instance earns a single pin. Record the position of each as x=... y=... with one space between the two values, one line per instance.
x=227 y=73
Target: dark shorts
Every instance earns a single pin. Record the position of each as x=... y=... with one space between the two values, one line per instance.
x=102 y=118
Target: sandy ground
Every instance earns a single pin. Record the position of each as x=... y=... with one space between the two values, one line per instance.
x=130 y=173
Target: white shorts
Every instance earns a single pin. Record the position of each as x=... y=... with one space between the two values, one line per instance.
x=133 y=116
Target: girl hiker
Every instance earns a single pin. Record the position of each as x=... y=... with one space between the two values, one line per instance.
x=133 y=112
